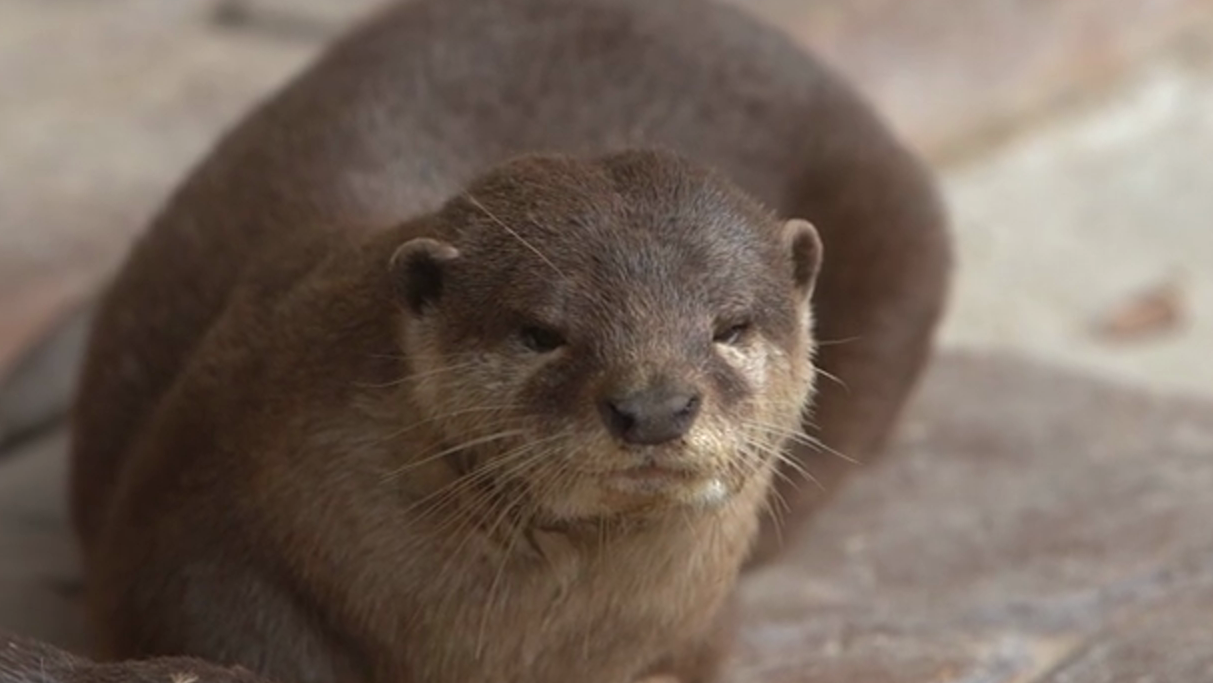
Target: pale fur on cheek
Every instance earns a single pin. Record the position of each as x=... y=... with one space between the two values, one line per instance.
x=751 y=361
x=718 y=438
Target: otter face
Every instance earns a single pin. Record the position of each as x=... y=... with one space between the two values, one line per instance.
x=615 y=336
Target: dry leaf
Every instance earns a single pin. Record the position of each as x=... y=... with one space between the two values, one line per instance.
x=1152 y=312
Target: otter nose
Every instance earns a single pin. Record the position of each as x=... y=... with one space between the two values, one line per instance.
x=652 y=416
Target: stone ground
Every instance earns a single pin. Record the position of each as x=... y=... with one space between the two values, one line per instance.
x=1042 y=516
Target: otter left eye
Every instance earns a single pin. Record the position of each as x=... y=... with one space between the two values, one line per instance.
x=732 y=334
x=541 y=339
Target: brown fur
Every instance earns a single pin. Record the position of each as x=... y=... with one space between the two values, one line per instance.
x=243 y=440
x=286 y=510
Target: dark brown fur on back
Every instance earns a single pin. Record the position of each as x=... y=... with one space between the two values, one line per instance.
x=230 y=451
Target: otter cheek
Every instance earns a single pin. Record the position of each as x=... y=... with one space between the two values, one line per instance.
x=751 y=363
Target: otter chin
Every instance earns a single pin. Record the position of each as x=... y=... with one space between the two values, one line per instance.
x=645 y=491
x=678 y=486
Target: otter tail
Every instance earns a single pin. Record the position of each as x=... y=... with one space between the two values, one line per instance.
x=36 y=392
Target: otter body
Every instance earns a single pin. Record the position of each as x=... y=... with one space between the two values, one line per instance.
x=437 y=370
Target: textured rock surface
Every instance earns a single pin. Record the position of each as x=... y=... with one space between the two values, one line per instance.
x=1028 y=525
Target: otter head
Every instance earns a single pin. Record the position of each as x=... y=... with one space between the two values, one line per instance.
x=611 y=336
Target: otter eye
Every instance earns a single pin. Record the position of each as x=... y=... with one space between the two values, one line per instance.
x=541 y=339
x=732 y=334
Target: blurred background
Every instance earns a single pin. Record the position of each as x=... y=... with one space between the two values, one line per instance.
x=1044 y=514
x=1074 y=139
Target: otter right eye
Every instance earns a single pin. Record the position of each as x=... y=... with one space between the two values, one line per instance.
x=541 y=339
x=731 y=334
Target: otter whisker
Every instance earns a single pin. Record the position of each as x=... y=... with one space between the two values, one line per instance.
x=416 y=375
x=540 y=487
x=510 y=506
x=491 y=602
x=784 y=455
x=775 y=506
x=420 y=460
x=781 y=456
x=834 y=378
x=836 y=342
x=452 y=449
x=461 y=524
x=778 y=471
x=514 y=463
x=782 y=460
x=454 y=413
x=801 y=438
x=451 y=491
x=504 y=461
x=513 y=233
x=553 y=476
x=814 y=442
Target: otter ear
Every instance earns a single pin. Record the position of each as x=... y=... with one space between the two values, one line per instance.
x=801 y=238
x=419 y=268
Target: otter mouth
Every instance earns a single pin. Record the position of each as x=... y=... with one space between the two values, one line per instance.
x=652 y=480
x=655 y=474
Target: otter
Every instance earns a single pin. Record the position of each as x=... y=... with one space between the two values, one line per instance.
x=483 y=350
